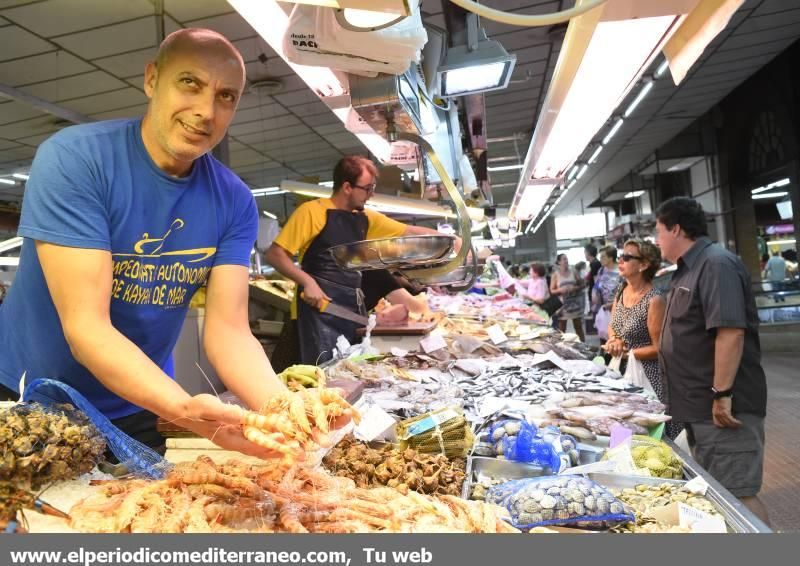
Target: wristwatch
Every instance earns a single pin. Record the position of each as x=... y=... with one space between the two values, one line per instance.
x=722 y=394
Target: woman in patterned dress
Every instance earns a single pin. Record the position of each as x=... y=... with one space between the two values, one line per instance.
x=566 y=285
x=605 y=289
x=637 y=315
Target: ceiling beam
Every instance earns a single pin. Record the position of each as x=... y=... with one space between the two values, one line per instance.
x=43 y=105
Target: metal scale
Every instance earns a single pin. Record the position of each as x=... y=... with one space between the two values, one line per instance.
x=386 y=103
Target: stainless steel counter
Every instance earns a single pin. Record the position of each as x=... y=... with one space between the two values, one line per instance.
x=736 y=514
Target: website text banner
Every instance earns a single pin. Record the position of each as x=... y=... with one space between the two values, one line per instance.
x=400 y=550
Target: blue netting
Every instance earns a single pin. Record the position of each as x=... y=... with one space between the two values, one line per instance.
x=559 y=500
x=521 y=442
x=136 y=456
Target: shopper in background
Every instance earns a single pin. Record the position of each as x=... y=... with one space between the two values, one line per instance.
x=310 y=232
x=123 y=221
x=710 y=352
x=775 y=273
x=536 y=289
x=605 y=288
x=580 y=267
x=590 y=252
x=637 y=315
x=566 y=285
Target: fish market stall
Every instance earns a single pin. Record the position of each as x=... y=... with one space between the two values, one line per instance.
x=468 y=437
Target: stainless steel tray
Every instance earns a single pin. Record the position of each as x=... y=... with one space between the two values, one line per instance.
x=406 y=252
x=497 y=469
x=738 y=517
x=621 y=481
x=589 y=454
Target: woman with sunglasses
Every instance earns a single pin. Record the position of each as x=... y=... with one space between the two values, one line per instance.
x=637 y=315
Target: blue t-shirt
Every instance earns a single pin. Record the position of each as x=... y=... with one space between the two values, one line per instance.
x=95 y=186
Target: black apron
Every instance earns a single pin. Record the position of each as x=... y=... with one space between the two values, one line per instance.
x=318 y=331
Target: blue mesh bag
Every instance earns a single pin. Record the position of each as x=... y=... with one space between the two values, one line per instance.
x=559 y=500
x=137 y=457
x=520 y=441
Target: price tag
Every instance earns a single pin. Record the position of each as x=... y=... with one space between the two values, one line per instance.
x=526 y=333
x=699 y=521
x=432 y=342
x=514 y=315
x=430 y=422
x=496 y=334
x=374 y=422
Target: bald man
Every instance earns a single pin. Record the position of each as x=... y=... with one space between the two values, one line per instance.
x=122 y=221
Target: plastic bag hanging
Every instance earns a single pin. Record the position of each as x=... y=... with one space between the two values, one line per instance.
x=635 y=374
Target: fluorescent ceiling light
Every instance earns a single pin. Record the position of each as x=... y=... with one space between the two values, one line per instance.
x=596 y=153
x=782 y=242
x=269 y=20
x=528 y=227
x=684 y=164
x=464 y=70
x=573 y=171
x=269 y=215
x=780 y=183
x=636 y=101
x=571 y=184
x=387 y=203
x=22 y=176
x=533 y=199
x=504 y=168
x=769 y=195
x=8 y=181
x=581 y=172
x=268 y=191
x=614 y=129
x=633 y=194
x=11 y=244
x=598 y=65
x=662 y=68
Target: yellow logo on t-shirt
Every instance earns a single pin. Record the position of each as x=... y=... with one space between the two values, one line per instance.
x=140 y=280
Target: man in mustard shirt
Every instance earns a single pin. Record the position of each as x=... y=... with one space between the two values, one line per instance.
x=310 y=232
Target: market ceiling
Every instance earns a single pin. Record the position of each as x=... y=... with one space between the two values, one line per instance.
x=63 y=60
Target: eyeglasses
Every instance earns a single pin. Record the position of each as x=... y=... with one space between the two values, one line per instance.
x=628 y=257
x=369 y=188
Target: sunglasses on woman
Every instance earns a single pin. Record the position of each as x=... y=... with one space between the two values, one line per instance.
x=628 y=257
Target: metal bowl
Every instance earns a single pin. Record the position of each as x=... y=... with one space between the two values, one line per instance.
x=407 y=252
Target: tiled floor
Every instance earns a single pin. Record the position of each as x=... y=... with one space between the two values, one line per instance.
x=781 y=489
